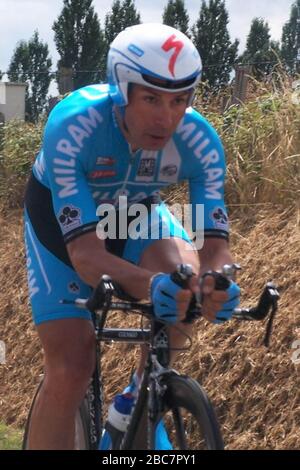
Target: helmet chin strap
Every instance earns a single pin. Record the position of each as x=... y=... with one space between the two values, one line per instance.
x=120 y=114
x=121 y=111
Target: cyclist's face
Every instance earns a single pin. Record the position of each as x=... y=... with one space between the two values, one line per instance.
x=151 y=117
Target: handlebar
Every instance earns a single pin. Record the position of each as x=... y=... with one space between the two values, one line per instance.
x=101 y=298
x=268 y=302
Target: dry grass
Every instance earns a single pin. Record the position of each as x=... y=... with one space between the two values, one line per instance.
x=256 y=391
x=262 y=144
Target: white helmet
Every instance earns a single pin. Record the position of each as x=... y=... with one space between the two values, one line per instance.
x=145 y=52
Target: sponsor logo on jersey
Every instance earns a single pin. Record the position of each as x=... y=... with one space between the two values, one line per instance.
x=219 y=218
x=109 y=161
x=73 y=287
x=169 y=170
x=69 y=148
x=146 y=167
x=208 y=150
x=102 y=174
x=69 y=218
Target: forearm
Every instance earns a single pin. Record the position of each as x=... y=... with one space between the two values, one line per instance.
x=133 y=279
x=214 y=256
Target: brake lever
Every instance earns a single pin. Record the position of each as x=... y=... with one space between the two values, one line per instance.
x=101 y=295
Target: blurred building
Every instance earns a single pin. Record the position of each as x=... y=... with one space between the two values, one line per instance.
x=12 y=101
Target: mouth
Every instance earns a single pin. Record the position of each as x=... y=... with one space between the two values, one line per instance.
x=158 y=138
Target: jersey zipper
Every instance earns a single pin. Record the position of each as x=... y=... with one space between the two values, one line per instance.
x=131 y=161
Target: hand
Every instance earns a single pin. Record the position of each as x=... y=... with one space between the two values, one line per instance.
x=170 y=301
x=233 y=301
x=218 y=304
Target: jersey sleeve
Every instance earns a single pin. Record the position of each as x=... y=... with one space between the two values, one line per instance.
x=206 y=184
x=67 y=148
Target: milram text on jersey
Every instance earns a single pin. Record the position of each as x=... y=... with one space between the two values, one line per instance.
x=86 y=161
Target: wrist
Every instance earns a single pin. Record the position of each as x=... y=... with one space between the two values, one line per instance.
x=154 y=279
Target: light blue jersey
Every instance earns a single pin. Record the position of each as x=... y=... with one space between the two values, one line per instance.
x=85 y=162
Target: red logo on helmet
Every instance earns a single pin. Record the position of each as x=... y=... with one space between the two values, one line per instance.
x=173 y=43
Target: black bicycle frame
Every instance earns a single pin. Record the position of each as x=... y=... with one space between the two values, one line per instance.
x=95 y=390
x=139 y=410
x=95 y=397
x=156 y=337
x=147 y=405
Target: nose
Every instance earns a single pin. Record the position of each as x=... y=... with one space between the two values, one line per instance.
x=164 y=116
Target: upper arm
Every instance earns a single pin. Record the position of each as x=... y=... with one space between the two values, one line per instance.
x=206 y=184
x=66 y=163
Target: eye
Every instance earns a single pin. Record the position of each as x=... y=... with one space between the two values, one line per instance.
x=149 y=98
x=181 y=100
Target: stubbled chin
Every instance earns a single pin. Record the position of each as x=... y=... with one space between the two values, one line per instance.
x=146 y=146
x=150 y=144
x=153 y=147
x=155 y=144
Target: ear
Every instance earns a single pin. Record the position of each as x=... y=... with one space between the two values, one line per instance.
x=130 y=88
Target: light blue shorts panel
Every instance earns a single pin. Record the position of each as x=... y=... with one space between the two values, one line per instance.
x=50 y=281
x=160 y=224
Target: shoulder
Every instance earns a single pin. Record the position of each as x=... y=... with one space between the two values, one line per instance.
x=86 y=108
x=195 y=125
x=199 y=144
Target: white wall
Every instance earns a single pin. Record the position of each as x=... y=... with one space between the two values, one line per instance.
x=2 y=100
x=12 y=100
x=2 y=93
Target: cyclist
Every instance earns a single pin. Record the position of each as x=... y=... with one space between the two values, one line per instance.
x=130 y=137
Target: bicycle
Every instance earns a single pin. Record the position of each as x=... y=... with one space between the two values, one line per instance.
x=164 y=394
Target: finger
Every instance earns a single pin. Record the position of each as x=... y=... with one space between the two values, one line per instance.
x=219 y=296
x=210 y=308
x=183 y=298
x=215 y=297
x=183 y=295
x=210 y=312
x=212 y=305
x=210 y=316
x=208 y=285
x=194 y=285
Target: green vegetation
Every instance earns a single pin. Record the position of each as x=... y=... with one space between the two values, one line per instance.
x=262 y=144
x=20 y=141
x=10 y=438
